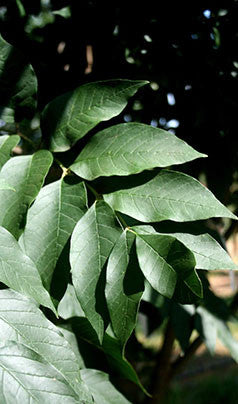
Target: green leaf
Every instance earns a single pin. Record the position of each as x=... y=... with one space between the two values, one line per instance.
x=101 y=388
x=50 y=222
x=5 y=185
x=92 y=241
x=64 y=12
x=122 y=306
x=111 y=348
x=69 y=117
x=26 y=378
x=163 y=259
x=169 y=196
x=6 y=145
x=130 y=148
x=17 y=80
x=208 y=253
x=26 y=175
x=18 y=272
x=69 y=305
x=206 y=326
x=24 y=322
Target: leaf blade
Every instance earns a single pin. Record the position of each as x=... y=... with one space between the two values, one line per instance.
x=26 y=175
x=130 y=148
x=82 y=109
x=29 y=326
x=92 y=241
x=50 y=222
x=169 y=196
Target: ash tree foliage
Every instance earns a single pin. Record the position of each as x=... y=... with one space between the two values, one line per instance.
x=82 y=248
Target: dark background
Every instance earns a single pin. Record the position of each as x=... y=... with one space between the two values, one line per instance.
x=186 y=49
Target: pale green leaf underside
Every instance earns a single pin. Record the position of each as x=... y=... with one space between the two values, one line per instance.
x=130 y=148
x=24 y=322
x=169 y=196
x=6 y=145
x=18 y=272
x=101 y=388
x=26 y=175
x=25 y=378
x=92 y=241
x=69 y=305
x=17 y=79
x=50 y=222
x=122 y=308
x=69 y=117
x=208 y=253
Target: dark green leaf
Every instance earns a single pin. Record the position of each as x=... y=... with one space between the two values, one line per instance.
x=17 y=80
x=169 y=196
x=50 y=222
x=26 y=175
x=6 y=145
x=69 y=117
x=92 y=241
x=130 y=148
x=122 y=306
x=163 y=259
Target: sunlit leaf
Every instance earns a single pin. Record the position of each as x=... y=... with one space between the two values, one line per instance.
x=26 y=175
x=50 y=222
x=169 y=196
x=69 y=117
x=129 y=149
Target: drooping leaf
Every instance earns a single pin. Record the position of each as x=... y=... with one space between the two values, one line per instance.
x=121 y=305
x=111 y=348
x=50 y=222
x=101 y=388
x=92 y=241
x=130 y=148
x=208 y=253
x=169 y=196
x=6 y=145
x=26 y=175
x=17 y=80
x=163 y=260
x=31 y=328
x=26 y=378
x=69 y=117
x=18 y=272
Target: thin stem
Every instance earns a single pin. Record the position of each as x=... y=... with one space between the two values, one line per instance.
x=182 y=361
x=95 y=193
